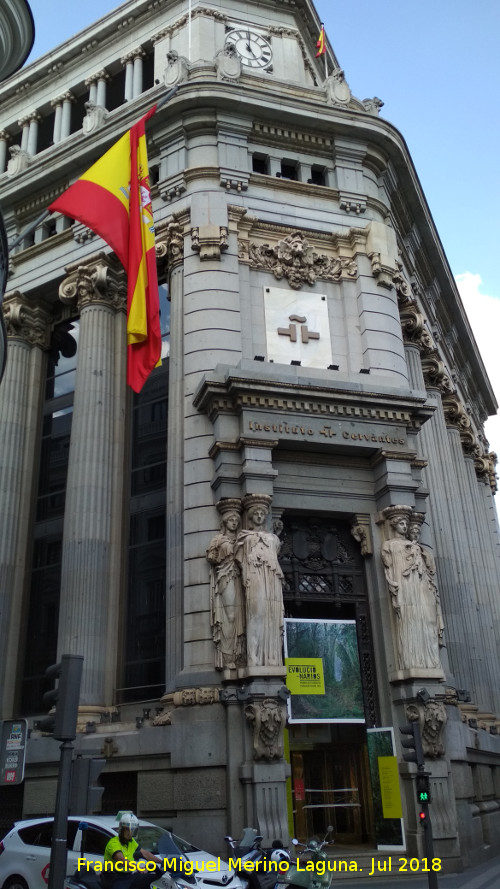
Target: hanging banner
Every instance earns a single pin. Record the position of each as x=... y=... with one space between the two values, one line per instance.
x=334 y=644
x=386 y=793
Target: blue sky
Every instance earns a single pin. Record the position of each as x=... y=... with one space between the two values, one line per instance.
x=436 y=66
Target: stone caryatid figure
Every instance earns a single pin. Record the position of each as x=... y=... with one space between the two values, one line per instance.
x=257 y=554
x=227 y=602
x=413 y=596
x=435 y=612
x=268 y=719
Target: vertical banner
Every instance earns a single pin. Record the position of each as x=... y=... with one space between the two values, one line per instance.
x=387 y=808
x=323 y=673
x=13 y=751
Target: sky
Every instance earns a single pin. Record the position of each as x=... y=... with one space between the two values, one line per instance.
x=436 y=66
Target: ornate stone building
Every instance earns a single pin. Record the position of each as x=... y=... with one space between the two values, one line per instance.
x=316 y=429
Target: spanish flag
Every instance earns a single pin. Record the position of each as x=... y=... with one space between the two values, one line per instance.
x=113 y=198
x=321 y=45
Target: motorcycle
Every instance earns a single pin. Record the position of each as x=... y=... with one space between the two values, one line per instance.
x=259 y=867
x=310 y=870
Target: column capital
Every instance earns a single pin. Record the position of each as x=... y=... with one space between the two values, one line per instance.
x=170 y=242
x=99 y=75
x=138 y=53
x=64 y=97
x=5 y=136
x=101 y=281
x=415 y=331
x=436 y=374
x=26 y=322
x=24 y=121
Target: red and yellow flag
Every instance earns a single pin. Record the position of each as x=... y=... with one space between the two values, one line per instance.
x=113 y=198
x=321 y=45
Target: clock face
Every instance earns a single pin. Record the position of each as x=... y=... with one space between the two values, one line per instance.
x=253 y=49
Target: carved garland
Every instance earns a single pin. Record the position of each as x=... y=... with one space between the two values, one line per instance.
x=294 y=259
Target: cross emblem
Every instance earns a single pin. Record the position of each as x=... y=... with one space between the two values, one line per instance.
x=291 y=330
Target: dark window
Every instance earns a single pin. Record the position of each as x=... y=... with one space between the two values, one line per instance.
x=94 y=841
x=260 y=164
x=289 y=170
x=43 y=613
x=318 y=175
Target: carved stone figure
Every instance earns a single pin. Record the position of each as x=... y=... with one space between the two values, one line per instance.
x=337 y=88
x=257 y=554
x=227 y=603
x=436 y=614
x=268 y=719
x=94 y=118
x=177 y=69
x=228 y=64
x=432 y=718
x=413 y=598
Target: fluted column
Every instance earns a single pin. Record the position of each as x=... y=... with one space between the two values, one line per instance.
x=93 y=519
x=170 y=246
x=21 y=400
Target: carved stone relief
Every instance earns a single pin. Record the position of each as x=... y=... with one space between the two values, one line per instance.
x=209 y=241
x=29 y=323
x=100 y=281
x=268 y=720
x=294 y=259
x=432 y=718
x=177 y=69
x=228 y=64
x=94 y=118
x=337 y=89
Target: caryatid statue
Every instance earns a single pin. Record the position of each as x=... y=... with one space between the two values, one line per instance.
x=227 y=602
x=257 y=555
x=418 y=620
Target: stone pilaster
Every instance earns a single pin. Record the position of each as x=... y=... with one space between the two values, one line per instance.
x=21 y=399
x=93 y=521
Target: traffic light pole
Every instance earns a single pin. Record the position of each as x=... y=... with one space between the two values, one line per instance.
x=429 y=847
x=59 y=850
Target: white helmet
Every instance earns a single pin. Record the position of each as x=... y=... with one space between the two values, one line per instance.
x=280 y=855
x=128 y=820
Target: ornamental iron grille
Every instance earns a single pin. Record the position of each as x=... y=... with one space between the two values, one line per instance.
x=324 y=579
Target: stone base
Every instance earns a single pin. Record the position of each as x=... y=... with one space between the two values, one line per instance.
x=92 y=713
x=261 y=672
x=417 y=673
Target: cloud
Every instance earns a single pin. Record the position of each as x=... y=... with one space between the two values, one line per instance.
x=483 y=312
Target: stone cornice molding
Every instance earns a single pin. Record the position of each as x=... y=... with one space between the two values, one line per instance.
x=300 y=139
x=184 y=19
x=100 y=281
x=31 y=324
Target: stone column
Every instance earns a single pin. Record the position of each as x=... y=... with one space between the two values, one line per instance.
x=170 y=246
x=482 y=485
x=128 y=63
x=137 y=78
x=97 y=88
x=21 y=401
x=24 y=123
x=4 y=140
x=67 y=100
x=35 y=119
x=93 y=520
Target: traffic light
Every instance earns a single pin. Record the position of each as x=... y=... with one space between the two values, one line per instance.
x=85 y=794
x=65 y=698
x=423 y=819
x=412 y=743
x=423 y=789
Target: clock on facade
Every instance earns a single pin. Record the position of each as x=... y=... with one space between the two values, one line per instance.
x=253 y=49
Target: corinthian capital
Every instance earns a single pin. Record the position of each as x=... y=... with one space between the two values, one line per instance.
x=170 y=242
x=26 y=321
x=436 y=375
x=101 y=281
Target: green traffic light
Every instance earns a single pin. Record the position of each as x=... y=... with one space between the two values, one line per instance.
x=423 y=796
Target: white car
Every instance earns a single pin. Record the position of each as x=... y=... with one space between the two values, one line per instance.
x=25 y=851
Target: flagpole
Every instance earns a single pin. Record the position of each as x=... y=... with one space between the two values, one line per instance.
x=189 y=31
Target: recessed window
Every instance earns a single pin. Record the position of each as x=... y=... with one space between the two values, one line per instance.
x=260 y=164
x=318 y=175
x=289 y=170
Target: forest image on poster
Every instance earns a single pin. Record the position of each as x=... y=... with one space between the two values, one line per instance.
x=335 y=642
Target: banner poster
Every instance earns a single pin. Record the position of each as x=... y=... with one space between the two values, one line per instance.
x=12 y=751
x=386 y=793
x=323 y=673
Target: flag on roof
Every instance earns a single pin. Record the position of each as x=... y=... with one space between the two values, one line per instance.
x=321 y=44
x=113 y=198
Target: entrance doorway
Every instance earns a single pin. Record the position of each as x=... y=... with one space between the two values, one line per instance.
x=331 y=782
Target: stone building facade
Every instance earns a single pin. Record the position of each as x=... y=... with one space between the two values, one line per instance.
x=320 y=384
